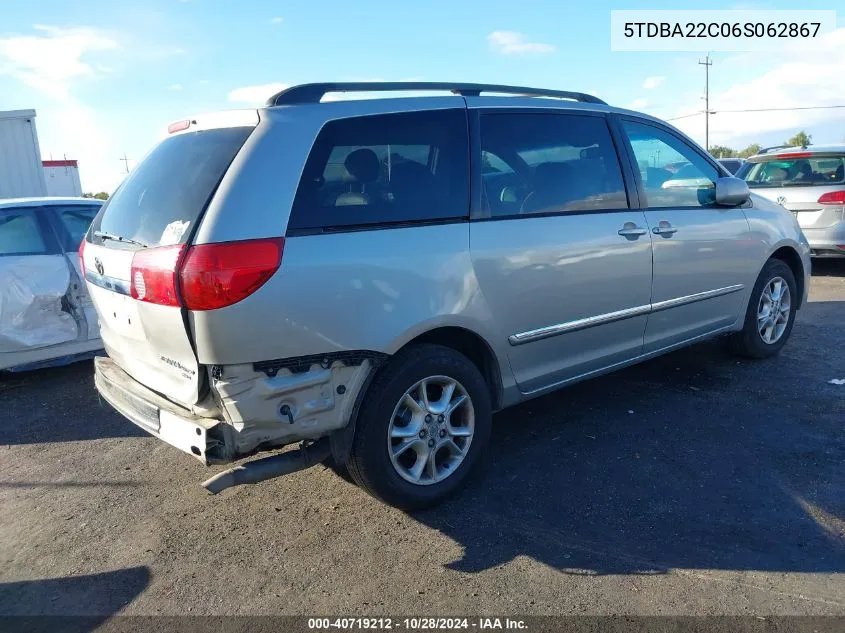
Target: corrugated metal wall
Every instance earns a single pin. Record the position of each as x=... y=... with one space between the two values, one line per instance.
x=62 y=180
x=21 y=173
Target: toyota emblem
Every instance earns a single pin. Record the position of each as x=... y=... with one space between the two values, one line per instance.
x=98 y=265
x=781 y=200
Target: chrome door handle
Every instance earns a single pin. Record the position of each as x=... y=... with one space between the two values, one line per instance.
x=664 y=230
x=632 y=231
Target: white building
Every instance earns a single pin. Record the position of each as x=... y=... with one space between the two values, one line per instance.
x=62 y=177
x=21 y=172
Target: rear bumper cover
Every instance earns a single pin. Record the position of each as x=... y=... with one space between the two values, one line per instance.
x=257 y=410
x=826 y=241
x=156 y=415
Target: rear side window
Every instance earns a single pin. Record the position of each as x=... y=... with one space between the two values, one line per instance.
x=820 y=171
x=382 y=169
x=552 y=163
x=20 y=233
x=164 y=196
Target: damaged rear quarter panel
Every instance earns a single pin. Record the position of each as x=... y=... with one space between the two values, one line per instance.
x=272 y=408
x=358 y=290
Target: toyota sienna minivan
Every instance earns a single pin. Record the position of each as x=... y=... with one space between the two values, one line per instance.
x=373 y=278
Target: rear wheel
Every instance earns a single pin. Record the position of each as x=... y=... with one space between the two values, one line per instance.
x=424 y=424
x=770 y=314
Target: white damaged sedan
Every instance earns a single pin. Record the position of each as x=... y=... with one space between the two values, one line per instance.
x=46 y=314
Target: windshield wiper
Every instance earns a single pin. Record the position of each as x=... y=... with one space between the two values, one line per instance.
x=118 y=238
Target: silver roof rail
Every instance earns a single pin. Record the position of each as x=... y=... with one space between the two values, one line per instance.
x=313 y=93
x=773 y=148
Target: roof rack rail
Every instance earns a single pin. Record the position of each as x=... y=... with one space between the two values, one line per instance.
x=313 y=93
x=766 y=150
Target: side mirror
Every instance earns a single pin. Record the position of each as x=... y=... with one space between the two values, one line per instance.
x=731 y=192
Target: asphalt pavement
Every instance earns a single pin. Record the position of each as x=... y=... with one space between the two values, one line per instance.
x=691 y=484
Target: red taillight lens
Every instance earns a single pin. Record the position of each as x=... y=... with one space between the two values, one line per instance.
x=833 y=197
x=82 y=258
x=217 y=275
x=153 y=276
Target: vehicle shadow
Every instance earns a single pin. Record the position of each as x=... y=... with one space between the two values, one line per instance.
x=54 y=405
x=73 y=604
x=692 y=460
x=833 y=267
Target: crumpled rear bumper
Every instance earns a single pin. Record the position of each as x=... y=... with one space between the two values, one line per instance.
x=153 y=413
x=247 y=411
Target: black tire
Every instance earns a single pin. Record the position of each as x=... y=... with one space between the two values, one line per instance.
x=337 y=468
x=748 y=342
x=369 y=462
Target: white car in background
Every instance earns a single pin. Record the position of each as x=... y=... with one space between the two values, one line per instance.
x=46 y=314
x=809 y=182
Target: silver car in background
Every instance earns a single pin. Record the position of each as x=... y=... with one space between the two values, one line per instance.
x=374 y=278
x=810 y=183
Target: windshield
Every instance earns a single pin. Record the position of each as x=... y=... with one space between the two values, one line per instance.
x=796 y=172
x=163 y=197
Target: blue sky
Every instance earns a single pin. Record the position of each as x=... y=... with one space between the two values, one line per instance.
x=107 y=77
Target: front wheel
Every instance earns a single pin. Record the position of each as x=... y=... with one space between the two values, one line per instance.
x=770 y=314
x=424 y=424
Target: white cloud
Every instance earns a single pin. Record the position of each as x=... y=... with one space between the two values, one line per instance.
x=807 y=78
x=638 y=104
x=51 y=62
x=276 y=20
x=255 y=95
x=174 y=87
x=513 y=43
x=651 y=83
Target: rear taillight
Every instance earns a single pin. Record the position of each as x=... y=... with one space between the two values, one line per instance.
x=217 y=275
x=178 y=126
x=206 y=276
x=154 y=273
x=82 y=257
x=833 y=197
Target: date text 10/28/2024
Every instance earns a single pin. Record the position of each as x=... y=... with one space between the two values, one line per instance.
x=416 y=624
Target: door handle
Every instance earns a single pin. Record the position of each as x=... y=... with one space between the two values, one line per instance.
x=631 y=231
x=664 y=229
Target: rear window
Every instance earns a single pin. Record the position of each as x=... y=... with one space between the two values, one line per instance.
x=382 y=169
x=161 y=200
x=796 y=172
x=74 y=222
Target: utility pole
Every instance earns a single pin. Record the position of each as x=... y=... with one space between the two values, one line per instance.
x=707 y=64
x=125 y=162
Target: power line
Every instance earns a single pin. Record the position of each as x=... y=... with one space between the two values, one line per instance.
x=781 y=109
x=685 y=116
x=828 y=107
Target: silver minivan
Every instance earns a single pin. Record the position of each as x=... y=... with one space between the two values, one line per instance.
x=373 y=278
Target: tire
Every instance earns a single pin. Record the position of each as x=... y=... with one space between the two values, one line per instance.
x=750 y=342
x=337 y=468
x=386 y=414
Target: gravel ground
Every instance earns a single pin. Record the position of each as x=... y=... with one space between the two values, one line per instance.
x=692 y=484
